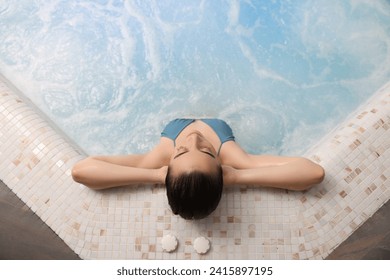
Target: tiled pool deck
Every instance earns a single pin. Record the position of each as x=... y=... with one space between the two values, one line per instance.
x=250 y=223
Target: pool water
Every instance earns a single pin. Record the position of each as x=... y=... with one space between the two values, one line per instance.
x=111 y=74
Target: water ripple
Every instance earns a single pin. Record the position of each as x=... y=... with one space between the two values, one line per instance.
x=281 y=73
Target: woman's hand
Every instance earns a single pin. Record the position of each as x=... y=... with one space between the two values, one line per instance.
x=229 y=175
x=162 y=174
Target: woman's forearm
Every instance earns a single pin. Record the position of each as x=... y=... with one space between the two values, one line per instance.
x=100 y=174
x=296 y=175
x=125 y=160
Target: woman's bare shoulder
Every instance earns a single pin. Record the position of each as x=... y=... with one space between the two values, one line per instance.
x=160 y=155
x=233 y=155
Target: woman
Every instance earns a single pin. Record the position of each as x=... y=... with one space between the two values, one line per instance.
x=195 y=158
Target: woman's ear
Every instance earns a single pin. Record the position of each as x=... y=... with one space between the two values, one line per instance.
x=229 y=175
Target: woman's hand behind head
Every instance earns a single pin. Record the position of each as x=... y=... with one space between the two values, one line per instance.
x=162 y=174
x=229 y=175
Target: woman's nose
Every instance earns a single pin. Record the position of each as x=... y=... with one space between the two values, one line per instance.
x=194 y=141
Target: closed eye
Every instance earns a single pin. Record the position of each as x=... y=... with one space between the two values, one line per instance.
x=178 y=155
x=208 y=153
x=184 y=152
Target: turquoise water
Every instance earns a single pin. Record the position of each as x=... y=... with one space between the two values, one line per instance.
x=112 y=73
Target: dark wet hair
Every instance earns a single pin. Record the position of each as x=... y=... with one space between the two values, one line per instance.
x=194 y=195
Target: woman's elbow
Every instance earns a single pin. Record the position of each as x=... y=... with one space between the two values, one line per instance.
x=314 y=171
x=85 y=173
x=319 y=175
x=77 y=173
x=316 y=176
x=79 y=177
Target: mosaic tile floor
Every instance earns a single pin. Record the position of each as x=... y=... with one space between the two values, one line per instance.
x=250 y=223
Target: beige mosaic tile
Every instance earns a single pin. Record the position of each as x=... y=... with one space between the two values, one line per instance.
x=250 y=223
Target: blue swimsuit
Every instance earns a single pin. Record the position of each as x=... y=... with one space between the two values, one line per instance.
x=221 y=128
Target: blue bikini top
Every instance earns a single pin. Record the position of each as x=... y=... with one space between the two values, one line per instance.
x=220 y=127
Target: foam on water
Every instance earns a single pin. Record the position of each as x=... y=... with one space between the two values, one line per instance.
x=112 y=73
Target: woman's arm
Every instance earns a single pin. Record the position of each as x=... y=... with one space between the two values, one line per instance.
x=102 y=174
x=156 y=158
x=125 y=160
x=292 y=174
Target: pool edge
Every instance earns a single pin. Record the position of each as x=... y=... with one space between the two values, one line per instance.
x=36 y=155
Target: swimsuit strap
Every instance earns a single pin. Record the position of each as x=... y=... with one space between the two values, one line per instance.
x=219 y=149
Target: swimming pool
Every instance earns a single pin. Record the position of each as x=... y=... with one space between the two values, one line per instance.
x=246 y=59
x=112 y=73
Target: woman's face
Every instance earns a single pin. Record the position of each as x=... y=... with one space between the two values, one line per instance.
x=194 y=153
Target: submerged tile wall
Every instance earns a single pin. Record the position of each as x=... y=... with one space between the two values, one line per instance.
x=250 y=223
